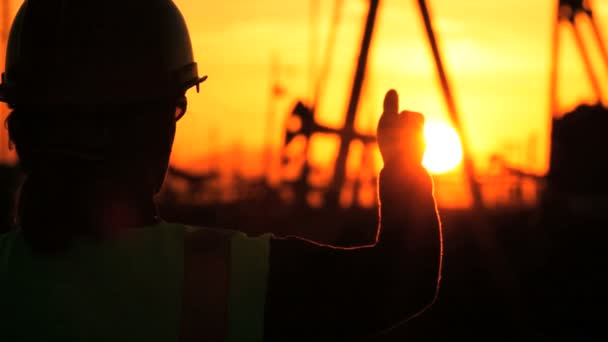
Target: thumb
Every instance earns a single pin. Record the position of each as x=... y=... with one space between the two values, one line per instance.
x=391 y=102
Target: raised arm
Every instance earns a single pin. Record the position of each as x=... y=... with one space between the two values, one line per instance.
x=331 y=293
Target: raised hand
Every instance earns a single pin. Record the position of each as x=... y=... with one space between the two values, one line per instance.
x=400 y=134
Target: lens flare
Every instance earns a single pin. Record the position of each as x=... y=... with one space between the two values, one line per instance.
x=443 y=149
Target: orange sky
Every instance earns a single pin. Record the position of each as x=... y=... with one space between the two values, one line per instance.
x=496 y=53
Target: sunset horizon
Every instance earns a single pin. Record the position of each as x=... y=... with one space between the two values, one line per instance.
x=497 y=58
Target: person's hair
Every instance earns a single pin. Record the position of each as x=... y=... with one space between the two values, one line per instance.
x=65 y=149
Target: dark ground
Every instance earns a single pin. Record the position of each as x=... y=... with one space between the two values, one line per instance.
x=514 y=275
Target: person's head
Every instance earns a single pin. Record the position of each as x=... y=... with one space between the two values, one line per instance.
x=97 y=85
x=95 y=89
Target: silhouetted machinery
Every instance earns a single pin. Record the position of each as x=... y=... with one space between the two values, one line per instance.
x=304 y=126
x=579 y=160
x=347 y=134
x=577 y=181
x=308 y=126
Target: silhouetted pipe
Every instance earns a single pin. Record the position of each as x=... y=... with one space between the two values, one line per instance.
x=554 y=64
x=3 y=43
x=330 y=47
x=600 y=41
x=568 y=10
x=587 y=61
x=553 y=74
x=333 y=195
x=453 y=112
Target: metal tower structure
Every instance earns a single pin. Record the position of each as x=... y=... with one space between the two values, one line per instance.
x=568 y=11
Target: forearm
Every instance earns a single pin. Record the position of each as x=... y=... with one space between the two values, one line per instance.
x=411 y=240
x=410 y=228
x=344 y=293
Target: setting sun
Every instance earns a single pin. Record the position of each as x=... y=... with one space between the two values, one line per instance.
x=443 y=150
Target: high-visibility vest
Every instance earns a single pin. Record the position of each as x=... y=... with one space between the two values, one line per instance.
x=124 y=289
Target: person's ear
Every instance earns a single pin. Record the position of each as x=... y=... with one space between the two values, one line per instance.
x=180 y=107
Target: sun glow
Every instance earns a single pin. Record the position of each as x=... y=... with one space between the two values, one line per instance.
x=443 y=150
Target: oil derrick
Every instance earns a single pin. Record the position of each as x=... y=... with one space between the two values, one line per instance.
x=578 y=164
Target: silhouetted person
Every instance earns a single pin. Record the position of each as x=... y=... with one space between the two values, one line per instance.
x=96 y=88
